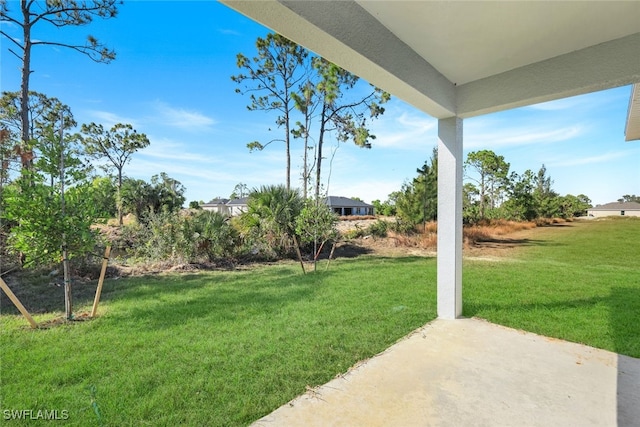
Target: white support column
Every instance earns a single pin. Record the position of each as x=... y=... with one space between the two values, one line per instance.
x=450 y=218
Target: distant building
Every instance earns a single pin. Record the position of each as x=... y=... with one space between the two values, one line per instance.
x=344 y=206
x=231 y=207
x=237 y=206
x=615 y=209
x=217 y=205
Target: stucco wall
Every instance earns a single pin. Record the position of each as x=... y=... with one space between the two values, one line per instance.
x=599 y=214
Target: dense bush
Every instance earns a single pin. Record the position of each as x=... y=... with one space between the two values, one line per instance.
x=378 y=228
x=268 y=225
x=316 y=225
x=180 y=238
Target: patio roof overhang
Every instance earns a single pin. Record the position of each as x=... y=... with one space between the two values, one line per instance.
x=467 y=58
x=455 y=60
x=632 y=130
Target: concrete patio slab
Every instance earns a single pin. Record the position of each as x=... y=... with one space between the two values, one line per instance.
x=470 y=372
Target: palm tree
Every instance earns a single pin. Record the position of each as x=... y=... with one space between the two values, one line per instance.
x=216 y=235
x=272 y=211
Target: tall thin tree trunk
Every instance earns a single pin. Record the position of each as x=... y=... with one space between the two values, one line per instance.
x=68 y=306
x=305 y=167
x=119 y=197
x=482 y=195
x=287 y=129
x=24 y=88
x=319 y=152
x=308 y=92
x=288 y=149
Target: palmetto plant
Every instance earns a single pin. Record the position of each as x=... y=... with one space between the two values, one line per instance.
x=271 y=214
x=273 y=210
x=215 y=236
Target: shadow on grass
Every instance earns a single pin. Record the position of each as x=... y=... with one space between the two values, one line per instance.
x=163 y=301
x=623 y=305
x=512 y=243
x=367 y=263
x=47 y=296
x=349 y=250
x=43 y=293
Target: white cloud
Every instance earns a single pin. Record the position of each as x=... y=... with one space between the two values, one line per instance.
x=404 y=131
x=601 y=158
x=164 y=148
x=491 y=134
x=108 y=119
x=229 y=32
x=180 y=118
x=144 y=168
x=590 y=101
x=206 y=175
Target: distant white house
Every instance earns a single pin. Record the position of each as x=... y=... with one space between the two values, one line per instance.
x=231 y=207
x=237 y=206
x=217 y=205
x=615 y=209
x=344 y=206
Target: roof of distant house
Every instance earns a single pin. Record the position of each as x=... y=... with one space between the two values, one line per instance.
x=336 y=201
x=617 y=206
x=240 y=201
x=217 y=202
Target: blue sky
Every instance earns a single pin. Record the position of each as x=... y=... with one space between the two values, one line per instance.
x=171 y=80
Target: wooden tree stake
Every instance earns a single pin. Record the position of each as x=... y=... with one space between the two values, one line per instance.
x=333 y=248
x=105 y=261
x=295 y=241
x=17 y=303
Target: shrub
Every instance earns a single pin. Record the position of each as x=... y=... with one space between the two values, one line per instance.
x=354 y=233
x=378 y=228
x=401 y=226
x=180 y=238
x=214 y=237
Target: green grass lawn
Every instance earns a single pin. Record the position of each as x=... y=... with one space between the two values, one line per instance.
x=578 y=281
x=221 y=348
x=225 y=348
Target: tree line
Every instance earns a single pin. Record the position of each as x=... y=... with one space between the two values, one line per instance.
x=491 y=191
x=52 y=195
x=313 y=100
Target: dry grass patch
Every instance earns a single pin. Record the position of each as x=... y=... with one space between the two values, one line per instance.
x=426 y=236
x=418 y=240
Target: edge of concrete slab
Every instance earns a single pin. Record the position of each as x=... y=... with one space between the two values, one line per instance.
x=472 y=372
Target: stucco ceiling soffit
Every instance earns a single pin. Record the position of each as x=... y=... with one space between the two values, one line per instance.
x=611 y=64
x=356 y=41
x=467 y=58
x=471 y=40
x=632 y=128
